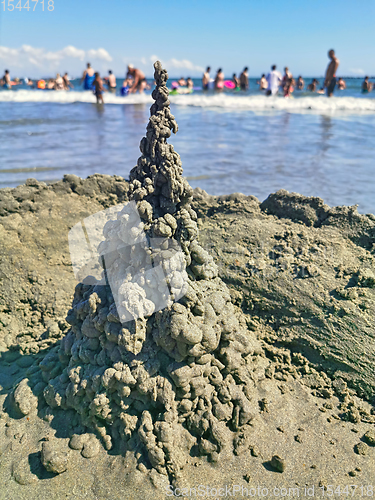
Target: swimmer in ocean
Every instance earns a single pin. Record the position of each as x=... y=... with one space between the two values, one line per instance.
x=300 y=83
x=366 y=86
x=244 y=79
x=189 y=83
x=236 y=81
x=206 y=78
x=6 y=80
x=88 y=77
x=139 y=82
x=262 y=83
x=111 y=81
x=330 y=79
x=98 y=89
x=219 y=80
x=341 y=85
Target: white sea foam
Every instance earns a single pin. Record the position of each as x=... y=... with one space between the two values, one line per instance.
x=257 y=104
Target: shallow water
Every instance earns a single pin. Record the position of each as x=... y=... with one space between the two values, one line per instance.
x=228 y=142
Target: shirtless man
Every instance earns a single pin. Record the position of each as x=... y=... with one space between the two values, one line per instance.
x=300 y=83
x=287 y=76
x=330 y=79
x=181 y=82
x=139 y=80
x=244 y=79
x=98 y=89
x=6 y=80
x=262 y=83
x=111 y=81
x=206 y=78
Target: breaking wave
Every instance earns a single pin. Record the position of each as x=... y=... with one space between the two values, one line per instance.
x=256 y=103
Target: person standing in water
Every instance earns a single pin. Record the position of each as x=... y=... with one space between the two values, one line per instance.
x=366 y=86
x=219 y=80
x=330 y=78
x=139 y=80
x=244 y=79
x=6 y=80
x=236 y=81
x=274 y=79
x=59 y=82
x=111 y=81
x=206 y=78
x=88 y=77
x=262 y=83
x=98 y=88
x=67 y=83
x=300 y=83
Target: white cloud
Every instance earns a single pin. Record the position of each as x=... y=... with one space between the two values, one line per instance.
x=357 y=71
x=30 y=58
x=172 y=63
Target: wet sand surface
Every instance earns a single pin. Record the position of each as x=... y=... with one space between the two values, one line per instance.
x=305 y=284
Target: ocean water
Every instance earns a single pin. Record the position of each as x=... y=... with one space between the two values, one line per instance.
x=228 y=142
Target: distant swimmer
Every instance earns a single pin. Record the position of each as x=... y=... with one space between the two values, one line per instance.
x=67 y=82
x=236 y=81
x=59 y=82
x=289 y=87
x=6 y=81
x=181 y=82
x=139 y=80
x=300 y=83
x=286 y=77
x=312 y=86
x=341 y=84
x=263 y=84
x=274 y=79
x=366 y=85
x=189 y=83
x=88 y=77
x=206 y=78
x=219 y=80
x=111 y=81
x=330 y=79
x=51 y=84
x=98 y=88
x=244 y=79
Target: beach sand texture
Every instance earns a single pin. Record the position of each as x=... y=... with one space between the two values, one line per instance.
x=302 y=294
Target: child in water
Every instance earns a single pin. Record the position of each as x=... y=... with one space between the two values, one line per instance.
x=289 y=87
x=126 y=84
x=98 y=88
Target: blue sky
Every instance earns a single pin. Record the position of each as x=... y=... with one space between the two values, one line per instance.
x=187 y=36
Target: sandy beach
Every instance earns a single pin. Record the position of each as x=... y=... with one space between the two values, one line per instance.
x=304 y=285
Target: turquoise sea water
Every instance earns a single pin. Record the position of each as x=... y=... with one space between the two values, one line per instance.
x=228 y=142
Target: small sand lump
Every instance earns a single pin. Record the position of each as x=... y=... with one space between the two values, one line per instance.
x=24 y=399
x=361 y=448
x=53 y=459
x=369 y=437
x=278 y=463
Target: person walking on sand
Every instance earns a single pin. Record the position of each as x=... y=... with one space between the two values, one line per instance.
x=206 y=78
x=274 y=79
x=219 y=80
x=139 y=79
x=244 y=79
x=330 y=78
x=98 y=89
x=88 y=77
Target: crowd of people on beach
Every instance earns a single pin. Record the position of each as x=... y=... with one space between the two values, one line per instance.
x=135 y=81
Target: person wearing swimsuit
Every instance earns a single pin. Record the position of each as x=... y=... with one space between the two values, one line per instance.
x=330 y=79
x=88 y=78
x=206 y=78
x=111 y=82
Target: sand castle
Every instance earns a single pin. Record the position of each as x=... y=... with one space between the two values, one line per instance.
x=170 y=381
